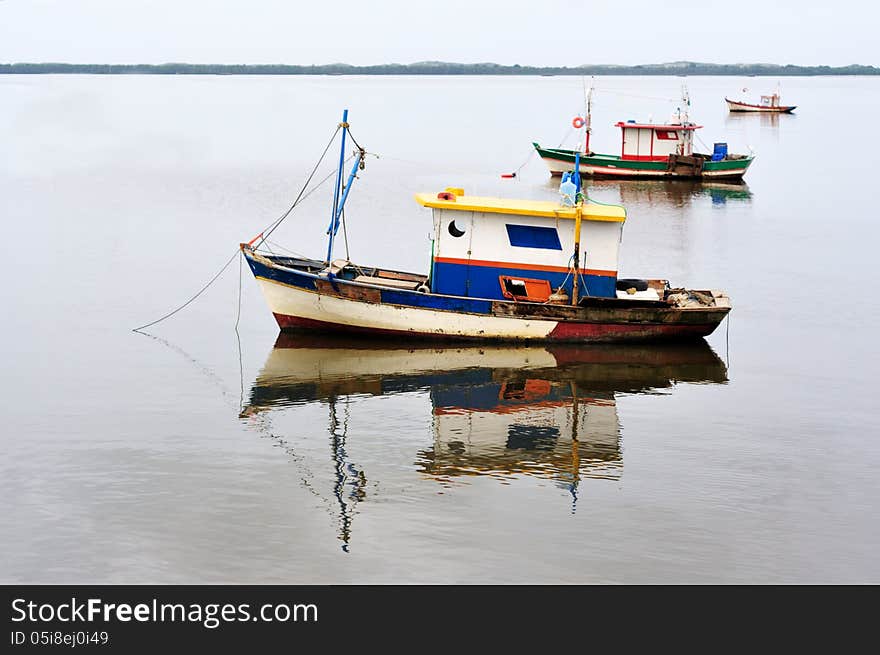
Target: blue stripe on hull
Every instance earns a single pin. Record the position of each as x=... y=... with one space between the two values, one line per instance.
x=482 y=281
x=484 y=287
x=390 y=296
x=289 y=277
x=429 y=301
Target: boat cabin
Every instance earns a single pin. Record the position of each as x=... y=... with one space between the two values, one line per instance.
x=649 y=142
x=773 y=100
x=521 y=249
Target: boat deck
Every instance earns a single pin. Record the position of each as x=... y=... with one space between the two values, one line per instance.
x=367 y=276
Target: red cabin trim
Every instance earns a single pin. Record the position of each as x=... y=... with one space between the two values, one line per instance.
x=644 y=157
x=646 y=126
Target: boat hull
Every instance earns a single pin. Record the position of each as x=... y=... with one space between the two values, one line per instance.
x=733 y=105
x=300 y=300
x=559 y=161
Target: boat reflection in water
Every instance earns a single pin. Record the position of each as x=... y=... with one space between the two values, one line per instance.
x=502 y=412
x=671 y=193
x=764 y=119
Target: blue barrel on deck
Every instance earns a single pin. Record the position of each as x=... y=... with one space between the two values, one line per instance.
x=720 y=152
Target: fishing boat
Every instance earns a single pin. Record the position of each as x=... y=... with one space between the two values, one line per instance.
x=769 y=104
x=501 y=269
x=649 y=150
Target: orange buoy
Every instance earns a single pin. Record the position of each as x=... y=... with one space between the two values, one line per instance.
x=577 y=122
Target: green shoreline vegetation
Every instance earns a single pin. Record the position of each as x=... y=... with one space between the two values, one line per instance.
x=437 y=68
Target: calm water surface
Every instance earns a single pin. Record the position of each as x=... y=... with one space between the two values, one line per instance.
x=191 y=455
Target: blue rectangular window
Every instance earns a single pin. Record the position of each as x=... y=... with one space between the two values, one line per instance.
x=529 y=236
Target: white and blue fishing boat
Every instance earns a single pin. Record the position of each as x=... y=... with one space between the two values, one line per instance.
x=501 y=269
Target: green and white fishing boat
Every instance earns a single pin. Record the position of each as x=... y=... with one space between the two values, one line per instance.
x=649 y=150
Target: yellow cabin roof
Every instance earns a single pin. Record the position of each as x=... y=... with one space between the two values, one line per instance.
x=589 y=211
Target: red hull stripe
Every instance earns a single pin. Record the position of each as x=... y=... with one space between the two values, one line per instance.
x=599 y=331
x=562 y=331
x=527 y=267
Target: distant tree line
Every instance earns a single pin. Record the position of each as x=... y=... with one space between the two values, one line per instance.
x=438 y=68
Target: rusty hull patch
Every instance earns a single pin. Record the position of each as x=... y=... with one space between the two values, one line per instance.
x=350 y=291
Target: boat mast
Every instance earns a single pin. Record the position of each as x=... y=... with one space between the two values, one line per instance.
x=587 y=122
x=685 y=103
x=577 y=229
x=340 y=192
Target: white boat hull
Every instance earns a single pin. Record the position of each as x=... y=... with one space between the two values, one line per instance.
x=305 y=306
x=733 y=105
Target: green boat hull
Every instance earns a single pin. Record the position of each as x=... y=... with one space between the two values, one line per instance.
x=698 y=166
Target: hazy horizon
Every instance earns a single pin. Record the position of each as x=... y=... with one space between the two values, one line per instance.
x=412 y=31
x=434 y=61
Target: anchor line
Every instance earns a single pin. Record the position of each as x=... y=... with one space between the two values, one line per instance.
x=727 y=343
x=521 y=166
x=199 y=293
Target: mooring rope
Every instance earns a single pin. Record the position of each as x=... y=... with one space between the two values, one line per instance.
x=199 y=293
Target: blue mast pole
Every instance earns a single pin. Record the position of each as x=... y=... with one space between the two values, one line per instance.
x=338 y=212
x=332 y=229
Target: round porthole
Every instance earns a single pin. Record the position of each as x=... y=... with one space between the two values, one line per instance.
x=454 y=230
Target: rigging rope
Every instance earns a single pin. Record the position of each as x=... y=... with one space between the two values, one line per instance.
x=638 y=95
x=278 y=222
x=345 y=235
x=262 y=236
x=354 y=141
x=702 y=143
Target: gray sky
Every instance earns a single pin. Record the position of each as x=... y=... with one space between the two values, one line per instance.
x=537 y=32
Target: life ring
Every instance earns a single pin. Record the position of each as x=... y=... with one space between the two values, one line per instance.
x=577 y=122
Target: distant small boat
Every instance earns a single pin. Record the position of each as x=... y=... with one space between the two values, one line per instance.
x=649 y=150
x=500 y=270
x=771 y=104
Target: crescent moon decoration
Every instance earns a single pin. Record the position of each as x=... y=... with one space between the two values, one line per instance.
x=454 y=230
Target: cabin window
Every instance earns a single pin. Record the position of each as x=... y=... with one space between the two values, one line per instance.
x=530 y=236
x=666 y=135
x=454 y=230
